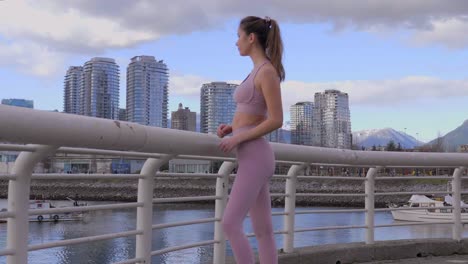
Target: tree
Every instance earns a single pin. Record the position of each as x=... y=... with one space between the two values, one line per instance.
x=374 y=148
x=47 y=164
x=355 y=147
x=399 y=148
x=164 y=167
x=391 y=146
x=439 y=144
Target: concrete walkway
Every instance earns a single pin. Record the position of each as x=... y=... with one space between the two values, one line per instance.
x=455 y=259
x=412 y=251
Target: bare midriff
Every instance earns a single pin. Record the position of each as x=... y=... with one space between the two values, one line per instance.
x=245 y=119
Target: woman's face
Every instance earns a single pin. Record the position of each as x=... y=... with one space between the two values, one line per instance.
x=244 y=42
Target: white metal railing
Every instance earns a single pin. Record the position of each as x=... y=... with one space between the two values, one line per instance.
x=64 y=133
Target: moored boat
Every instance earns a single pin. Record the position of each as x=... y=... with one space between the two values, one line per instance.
x=438 y=209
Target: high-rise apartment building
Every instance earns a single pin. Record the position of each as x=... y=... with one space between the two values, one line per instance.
x=332 y=120
x=301 y=123
x=73 y=83
x=100 y=88
x=147 y=91
x=123 y=114
x=217 y=105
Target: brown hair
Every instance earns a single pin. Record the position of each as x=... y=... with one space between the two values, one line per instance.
x=269 y=36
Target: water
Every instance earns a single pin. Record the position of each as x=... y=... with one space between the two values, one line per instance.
x=110 y=221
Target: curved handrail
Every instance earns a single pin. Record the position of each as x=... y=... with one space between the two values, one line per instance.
x=50 y=128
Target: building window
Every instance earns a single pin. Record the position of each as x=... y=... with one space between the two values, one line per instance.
x=11 y=158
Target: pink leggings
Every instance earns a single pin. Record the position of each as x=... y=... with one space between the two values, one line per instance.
x=251 y=193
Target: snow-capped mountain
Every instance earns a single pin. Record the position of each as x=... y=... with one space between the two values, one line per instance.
x=369 y=138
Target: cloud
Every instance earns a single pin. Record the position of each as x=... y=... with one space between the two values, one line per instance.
x=30 y=58
x=38 y=41
x=89 y=25
x=451 y=33
x=70 y=27
x=186 y=85
x=378 y=92
x=184 y=16
x=192 y=14
x=68 y=30
x=361 y=92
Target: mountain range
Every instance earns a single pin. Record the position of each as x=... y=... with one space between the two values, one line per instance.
x=381 y=137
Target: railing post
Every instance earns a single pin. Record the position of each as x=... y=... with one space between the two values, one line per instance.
x=290 y=207
x=370 y=204
x=222 y=187
x=18 y=202
x=145 y=213
x=456 y=194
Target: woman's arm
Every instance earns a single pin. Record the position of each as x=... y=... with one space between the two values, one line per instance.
x=224 y=130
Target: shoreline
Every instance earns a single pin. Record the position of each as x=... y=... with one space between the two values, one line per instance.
x=126 y=190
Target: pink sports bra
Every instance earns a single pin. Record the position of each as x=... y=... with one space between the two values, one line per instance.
x=248 y=99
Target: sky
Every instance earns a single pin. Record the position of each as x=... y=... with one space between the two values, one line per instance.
x=403 y=63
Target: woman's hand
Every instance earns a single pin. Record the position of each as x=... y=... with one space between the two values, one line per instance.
x=229 y=143
x=224 y=130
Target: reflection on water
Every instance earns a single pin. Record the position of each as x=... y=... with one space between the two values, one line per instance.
x=114 y=250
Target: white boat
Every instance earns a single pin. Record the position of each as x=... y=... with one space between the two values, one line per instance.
x=46 y=204
x=437 y=213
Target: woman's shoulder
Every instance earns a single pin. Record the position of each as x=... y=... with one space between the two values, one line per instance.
x=267 y=71
x=267 y=77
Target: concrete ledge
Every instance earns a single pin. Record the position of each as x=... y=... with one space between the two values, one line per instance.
x=383 y=250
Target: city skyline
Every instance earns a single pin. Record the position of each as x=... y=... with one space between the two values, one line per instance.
x=71 y=70
x=401 y=69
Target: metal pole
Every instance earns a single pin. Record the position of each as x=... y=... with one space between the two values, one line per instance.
x=18 y=202
x=369 y=203
x=145 y=213
x=222 y=187
x=456 y=189
x=290 y=207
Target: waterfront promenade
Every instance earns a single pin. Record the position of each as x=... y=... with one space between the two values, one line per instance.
x=433 y=251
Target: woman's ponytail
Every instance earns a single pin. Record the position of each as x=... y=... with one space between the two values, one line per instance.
x=274 y=48
x=269 y=36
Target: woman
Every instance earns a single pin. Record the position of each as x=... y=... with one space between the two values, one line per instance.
x=259 y=112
